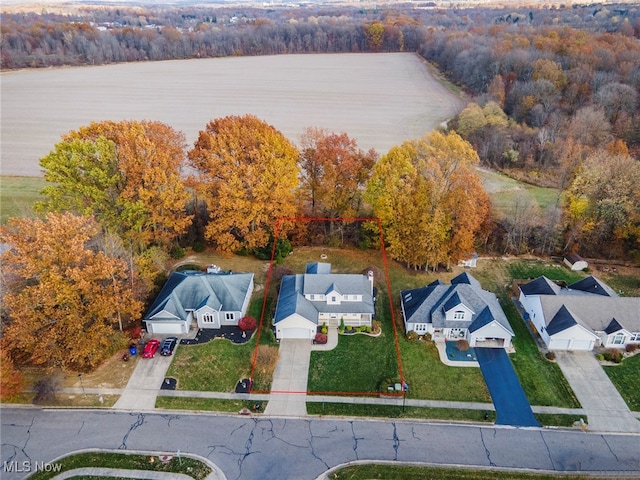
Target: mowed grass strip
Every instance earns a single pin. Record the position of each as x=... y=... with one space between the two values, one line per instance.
x=399 y=411
x=625 y=377
x=206 y=404
x=18 y=195
x=404 y=472
x=186 y=465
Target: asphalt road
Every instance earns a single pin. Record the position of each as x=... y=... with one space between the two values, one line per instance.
x=299 y=449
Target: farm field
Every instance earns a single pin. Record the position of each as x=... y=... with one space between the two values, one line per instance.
x=378 y=99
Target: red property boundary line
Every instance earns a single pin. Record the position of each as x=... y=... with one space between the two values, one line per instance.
x=390 y=298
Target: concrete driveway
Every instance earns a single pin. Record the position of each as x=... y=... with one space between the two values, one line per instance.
x=142 y=389
x=604 y=406
x=288 y=394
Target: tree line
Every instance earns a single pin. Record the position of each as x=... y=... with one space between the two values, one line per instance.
x=116 y=206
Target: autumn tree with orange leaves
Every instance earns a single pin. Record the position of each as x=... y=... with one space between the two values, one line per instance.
x=429 y=199
x=334 y=173
x=66 y=300
x=247 y=174
x=125 y=173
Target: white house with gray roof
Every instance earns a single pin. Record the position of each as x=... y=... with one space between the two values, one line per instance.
x=320 y=297
x=462 y=310
x=208 y=300
x=580 y=316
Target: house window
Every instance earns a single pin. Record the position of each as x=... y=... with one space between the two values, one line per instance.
x=312 y=297
x=458 y=315
x=208 y=318
x=618 y=339
x=334 y=299
x=635 y=337
x=230 y=316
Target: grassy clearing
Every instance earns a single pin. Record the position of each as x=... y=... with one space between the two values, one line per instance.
x=186 y=465
x=206 y=404
x=398 y=472
x=506 y=192
x=625 y=377
x=559 y=420
x=17 y=196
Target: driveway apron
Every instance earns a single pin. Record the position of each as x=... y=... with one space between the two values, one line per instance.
x=605 y=408
x=288 y=394
x=509 y=400
x=145 y=382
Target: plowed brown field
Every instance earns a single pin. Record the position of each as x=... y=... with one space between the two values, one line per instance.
x=378 y=99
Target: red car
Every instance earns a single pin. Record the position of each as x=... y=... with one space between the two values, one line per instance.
x=151 y=348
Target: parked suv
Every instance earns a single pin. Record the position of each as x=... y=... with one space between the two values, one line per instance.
x=168 y=345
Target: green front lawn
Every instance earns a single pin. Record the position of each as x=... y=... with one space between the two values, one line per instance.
x=429 y=378
x=625 y=377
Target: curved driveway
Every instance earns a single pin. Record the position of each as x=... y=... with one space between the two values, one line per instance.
x=285 y=448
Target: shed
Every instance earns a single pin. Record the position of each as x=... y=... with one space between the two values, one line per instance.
x=575 y=262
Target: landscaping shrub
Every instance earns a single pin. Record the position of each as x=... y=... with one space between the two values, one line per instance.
x=631 y=347
x=198 y=246
x=462 y=345
x=247 y=323
x=550 y=355
x=324 y=329
x=341 y=327
x=412 y=336
x=178 y=252
x=614 y=355
x=321 y=338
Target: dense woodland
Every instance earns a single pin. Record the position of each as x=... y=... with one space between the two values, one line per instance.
x=554 y=100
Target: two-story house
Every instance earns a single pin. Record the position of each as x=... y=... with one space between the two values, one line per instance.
x=320 y=297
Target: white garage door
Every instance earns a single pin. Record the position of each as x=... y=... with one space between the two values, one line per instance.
x=581 y=345
x=295 y=333
x=559 y=344
x=174 y=328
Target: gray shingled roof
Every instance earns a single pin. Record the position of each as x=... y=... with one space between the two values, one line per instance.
x=190 y=290
x=429 y=304
x=596 y=311
x=591 y=284
x=293 y=289
x=540 y=286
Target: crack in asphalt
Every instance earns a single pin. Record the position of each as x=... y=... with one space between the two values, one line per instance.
x=21 y=449
x=81 y=427
x=610 y=449
x=168 y=418
x=313 y=451
x=485 y=447
x=355 y=441
x=134 y=425
x=548 y=450
x=413 y=434
x=396 y=441
x=241 y=455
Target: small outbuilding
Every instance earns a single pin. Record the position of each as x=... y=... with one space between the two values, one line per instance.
x=575 y=262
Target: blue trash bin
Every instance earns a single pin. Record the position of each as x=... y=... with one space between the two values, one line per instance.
x=133 y=350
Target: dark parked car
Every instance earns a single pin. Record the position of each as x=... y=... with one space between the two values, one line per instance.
x=151 y=348
x=168 y=345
